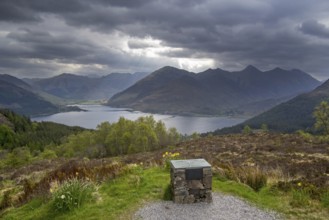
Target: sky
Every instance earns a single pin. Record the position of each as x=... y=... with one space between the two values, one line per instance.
x=43 y=38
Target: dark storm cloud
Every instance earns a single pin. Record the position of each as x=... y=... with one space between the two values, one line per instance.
x=16 y=13
x=31 y=11
x=43 y=45
x=291 y=34
x=313 y=27
x=64 y=48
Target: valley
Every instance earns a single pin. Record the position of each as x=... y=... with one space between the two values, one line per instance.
x=97 y=98
x=125 y=152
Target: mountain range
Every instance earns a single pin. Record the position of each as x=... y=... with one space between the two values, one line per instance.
x=50 y=95
x=169 y=90
x=289 y=116
x=75 y=87
x=213 y=92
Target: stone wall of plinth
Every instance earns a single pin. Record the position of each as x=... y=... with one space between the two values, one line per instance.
x=191 y=191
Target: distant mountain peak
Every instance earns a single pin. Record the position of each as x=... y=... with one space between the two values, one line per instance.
x=251 y=68
x=166 y=68
x=67 y=74
x=170 y=72
x=278 y=69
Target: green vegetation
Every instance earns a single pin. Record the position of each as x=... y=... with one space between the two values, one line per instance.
x=251 y=176
x=321 y=115
x=246 y=129
x=123 y=137
x=300 y=198
x=23 y=141
x=325 y=200
x=264 y=127
x=168 y=156
x=72 y=194
x=7 y=136
x=119 y=198
x=28 y=141
x=34 y=135
x=116 y=198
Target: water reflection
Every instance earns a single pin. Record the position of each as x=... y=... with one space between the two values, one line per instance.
x=97 y=114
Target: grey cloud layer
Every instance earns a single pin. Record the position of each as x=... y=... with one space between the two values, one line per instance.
x=313 y=27
x=290 y=34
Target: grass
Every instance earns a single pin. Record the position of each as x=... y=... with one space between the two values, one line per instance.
x=300 y=198
x=116 y=199
x=119 y=198
x=72 y=194
x=325 y=200
x=292 y=205
x=265 y=198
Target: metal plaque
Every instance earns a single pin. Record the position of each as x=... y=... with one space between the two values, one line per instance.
x=194 y=174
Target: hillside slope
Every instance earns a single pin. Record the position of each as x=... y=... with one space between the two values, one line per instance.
x=18 y=96
x=289 y=116
x=213 y=92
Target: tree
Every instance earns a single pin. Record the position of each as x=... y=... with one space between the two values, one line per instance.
x=7 y=137
x=246 y=130
x=264 y=128
x=122 y=137
x=195 y=136
x=321 y=115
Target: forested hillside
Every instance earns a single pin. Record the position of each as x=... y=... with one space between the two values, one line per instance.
x=19 y=131
x=21 y=137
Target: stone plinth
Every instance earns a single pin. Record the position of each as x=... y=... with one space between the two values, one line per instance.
x=191 y=181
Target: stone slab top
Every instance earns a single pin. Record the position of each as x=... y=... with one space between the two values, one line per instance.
x=189 y=164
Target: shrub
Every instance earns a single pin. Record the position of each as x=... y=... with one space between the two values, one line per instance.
x=6 y=200
x=19 y=156
x=72 y=194
x=306 y=136
x=48 y=154
x=168 y=156
x=229 y=172
x=264 y=128
x=246 y=130
x=253 y=177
